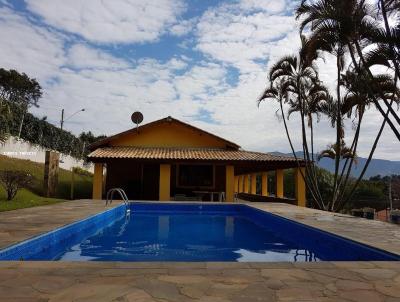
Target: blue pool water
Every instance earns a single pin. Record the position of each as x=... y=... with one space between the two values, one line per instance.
x=190 y=232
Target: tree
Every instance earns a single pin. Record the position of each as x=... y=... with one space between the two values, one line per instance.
x=345 y=27
x=12 y=181
x=20 y=90
x=87 y=139
x=5 y=116
x=294 y=82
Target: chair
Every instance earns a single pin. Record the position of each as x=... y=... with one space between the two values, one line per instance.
x=180 y=197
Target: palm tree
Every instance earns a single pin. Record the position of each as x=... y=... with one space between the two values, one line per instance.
x=333 y=150
x=391 y=35
x=344 y=26
x=327 y=36
x=294 y=81
x=357 y=100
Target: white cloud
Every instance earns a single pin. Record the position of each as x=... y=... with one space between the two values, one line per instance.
x=201 y=81
x=121 y=21
x=237 y=36
x=243 y=35
x=82 y=56
x=269 y=6
x=183 y=27
x=33 y=50
x=249 y=36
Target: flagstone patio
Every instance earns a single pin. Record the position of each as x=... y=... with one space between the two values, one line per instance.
x=219 y=282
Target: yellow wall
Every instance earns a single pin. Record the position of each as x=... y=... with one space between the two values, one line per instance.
x=97 y=192
x=230 y=183
x=168 y=134
x=253 y=183
x=165 y=182
x=241 y=178
x=236 y=183
x=300 y=187
x=279 y=183
x=264 y=184
x=246 y=184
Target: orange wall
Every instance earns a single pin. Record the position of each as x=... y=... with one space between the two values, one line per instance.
x=168 y=134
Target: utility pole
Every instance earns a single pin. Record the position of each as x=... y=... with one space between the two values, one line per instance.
x=62 y=118
x=65 y=119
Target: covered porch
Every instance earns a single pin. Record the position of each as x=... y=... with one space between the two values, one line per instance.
x=203 y=175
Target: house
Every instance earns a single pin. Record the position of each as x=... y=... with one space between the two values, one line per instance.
x=168 y=158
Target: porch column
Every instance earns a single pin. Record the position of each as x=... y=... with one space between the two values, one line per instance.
x=279 y=183
x=253 y=184
x=237 y=184
x=300 y=186
x=229 y=183
x=264 y=184
x=165 y=182
x=97 y=192
x=246 y=184
x=241 y=180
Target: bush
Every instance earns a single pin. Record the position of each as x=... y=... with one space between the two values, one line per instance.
x=83 y=172
x=12 y=181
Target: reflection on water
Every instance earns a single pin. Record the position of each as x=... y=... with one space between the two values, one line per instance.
x=163 y=227
x=177 y=237
x=298 y=255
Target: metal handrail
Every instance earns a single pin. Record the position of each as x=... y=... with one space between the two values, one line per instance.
x=110 y=195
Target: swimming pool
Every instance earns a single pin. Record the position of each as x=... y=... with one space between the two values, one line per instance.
x=190 y=232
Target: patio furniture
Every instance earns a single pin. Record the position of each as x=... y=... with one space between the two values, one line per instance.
x=221 y=195
x=183 y=197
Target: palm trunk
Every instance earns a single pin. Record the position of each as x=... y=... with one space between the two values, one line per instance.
x=375 y=100
x=338 y=133
x=366 y=163
x=354 y=150
x=388 y=32
x=319 y=203
x=306 y=153
x=359 y=51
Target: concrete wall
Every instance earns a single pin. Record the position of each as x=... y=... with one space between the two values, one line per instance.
x=18 y=148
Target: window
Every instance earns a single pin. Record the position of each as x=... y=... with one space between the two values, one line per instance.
x=195 y=176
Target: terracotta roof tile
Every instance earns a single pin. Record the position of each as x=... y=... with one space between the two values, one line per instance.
x=184 y=154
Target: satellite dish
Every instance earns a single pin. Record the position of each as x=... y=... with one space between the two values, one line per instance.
x=137 y=118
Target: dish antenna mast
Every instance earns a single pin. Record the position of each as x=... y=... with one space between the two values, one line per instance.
x=137 y=118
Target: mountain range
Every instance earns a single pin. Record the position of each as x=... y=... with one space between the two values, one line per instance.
x=381 y=167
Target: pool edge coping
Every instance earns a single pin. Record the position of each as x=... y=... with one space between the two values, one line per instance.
x=249 y=205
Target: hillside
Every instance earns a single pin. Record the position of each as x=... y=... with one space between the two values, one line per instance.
x=376 y=167
x=32 y=196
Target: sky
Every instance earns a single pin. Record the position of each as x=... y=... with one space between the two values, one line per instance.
x=201 y=61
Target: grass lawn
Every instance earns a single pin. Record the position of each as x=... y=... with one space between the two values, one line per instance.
x=24 y=199
x=32 y=196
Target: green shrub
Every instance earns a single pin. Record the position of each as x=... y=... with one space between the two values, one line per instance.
x=12 y=181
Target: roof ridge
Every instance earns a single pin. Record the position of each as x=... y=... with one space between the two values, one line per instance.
x=169 y=148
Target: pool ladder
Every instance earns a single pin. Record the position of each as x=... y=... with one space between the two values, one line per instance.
x=110 y=195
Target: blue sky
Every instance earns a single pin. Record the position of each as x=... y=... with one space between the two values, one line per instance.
x=201 y=61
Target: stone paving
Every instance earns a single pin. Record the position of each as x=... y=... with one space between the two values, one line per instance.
x=19 y=225
x=375 y=233
x=210 y=281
